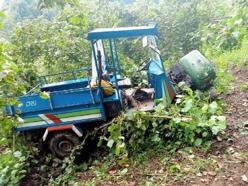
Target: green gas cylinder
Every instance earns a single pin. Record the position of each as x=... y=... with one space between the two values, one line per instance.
x=199 y=69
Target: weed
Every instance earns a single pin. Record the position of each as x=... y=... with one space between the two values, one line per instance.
x=244 y=87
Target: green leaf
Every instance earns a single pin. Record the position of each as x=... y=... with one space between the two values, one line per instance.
x=222 y=122
x=221 y=118
x=215 y=130
x=119 y=147
x=205 y=108
x=204 y=134
x=188 y=105
x=213 y=107
x=175 y=168
x=17 y=154
x=198 y=142
x=74 y=20
x=177 y=120
x=124 y=171
x=44 y=95
x=110 y=143
x=100 y=142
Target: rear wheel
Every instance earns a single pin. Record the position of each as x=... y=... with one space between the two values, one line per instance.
x=62 y=144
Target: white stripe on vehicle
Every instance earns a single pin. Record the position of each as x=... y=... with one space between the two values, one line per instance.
x=46 y=119
x=45 y=135
x=92 y=116
x=77 y=131
x=38 y=123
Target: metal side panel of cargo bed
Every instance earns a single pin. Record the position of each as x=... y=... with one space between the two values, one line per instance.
x=75 y=106
x=59 y=119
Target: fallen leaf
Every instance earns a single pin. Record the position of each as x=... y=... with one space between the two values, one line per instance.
x=219 y=138
x=112 y=172
x=126 y=165
x=204 y=173
x=244 y=178
x=133 y=183
x=211 y=173
x=199 y=174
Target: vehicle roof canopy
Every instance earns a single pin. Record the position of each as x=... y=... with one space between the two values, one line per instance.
x=122 y=32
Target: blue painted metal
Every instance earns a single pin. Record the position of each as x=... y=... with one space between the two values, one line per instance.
x=100 y=92
x=162 y=85
x=66 y=85
x=63 y=110
x=114 y=33
x=114 y=65
x=76 y=122
x=57 y=100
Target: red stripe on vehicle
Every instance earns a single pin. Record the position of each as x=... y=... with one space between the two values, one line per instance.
x=171 y=93
x=58 y=128
x=53 y=118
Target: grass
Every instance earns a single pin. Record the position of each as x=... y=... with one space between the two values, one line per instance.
x=244 y=87
x=235 y=57
x=227 y=60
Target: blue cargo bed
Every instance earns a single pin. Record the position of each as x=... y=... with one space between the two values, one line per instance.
x=64 y=107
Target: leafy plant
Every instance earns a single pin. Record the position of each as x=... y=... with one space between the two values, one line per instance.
x=244 y=87
x=227 y=33
x=227 y=60
x=192 y=121
x=12 y=167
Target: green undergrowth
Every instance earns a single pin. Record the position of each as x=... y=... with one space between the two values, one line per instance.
x=14 y=160
x=235 y=57
x=244 y=87
x=226 y=62
x=12 y=167
x=192 y=121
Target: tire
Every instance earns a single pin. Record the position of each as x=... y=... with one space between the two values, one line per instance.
x=61 y=144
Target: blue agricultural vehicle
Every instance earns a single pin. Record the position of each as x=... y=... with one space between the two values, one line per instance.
x=71 y=106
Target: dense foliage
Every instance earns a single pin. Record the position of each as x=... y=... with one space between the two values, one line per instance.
x=192 y=121
x=227 y=32
x=43 y=46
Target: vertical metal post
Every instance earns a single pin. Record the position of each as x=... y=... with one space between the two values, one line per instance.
x=113 y=60
x=98 y=78
x=105 y=56
x=89 y=84
x=156 y=42
x=95 y=59
x=45 y=79
x=117 y=59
